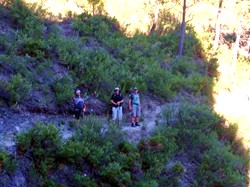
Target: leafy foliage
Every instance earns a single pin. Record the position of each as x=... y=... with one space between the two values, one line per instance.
x=41 y=143
x=97 y=57
x=27 y=17
x=18 y=88
x=63 y=88
x=7 y=163
x=198 y=128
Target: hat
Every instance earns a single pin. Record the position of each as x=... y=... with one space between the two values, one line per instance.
x=78 y=91
x=116 y=88
x=135 y=88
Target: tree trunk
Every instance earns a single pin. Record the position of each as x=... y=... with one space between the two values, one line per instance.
x=156 y=15
x=217 y=31
x=235 y=52
x=183 y=28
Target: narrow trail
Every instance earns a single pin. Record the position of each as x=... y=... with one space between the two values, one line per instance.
x=150 y=112
x=13 y=123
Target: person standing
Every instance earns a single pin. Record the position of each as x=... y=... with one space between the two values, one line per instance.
x=134 y=107
x=79 y=104
x=117 y=101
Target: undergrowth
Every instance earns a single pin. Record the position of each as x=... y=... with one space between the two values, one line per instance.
x=37 y=57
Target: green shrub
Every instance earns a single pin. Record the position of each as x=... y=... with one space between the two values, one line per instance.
x=74 y=151
x=68 y=50
x=36 y=48
x=196 y=84
x=98 y=26
x=199 y=116
x=185 y=66
x=178 y=169
x=7 y=163
x=156 y=151
x=126 y=147
x=162 y=83
x=171 y=175
x=85 y=181
x=147 y=183
x=63 y=88
x=219 y=166
x=27 y=16
x=42 y=143
x=114 y=175
x=169 y=43
x=49 y=182
x=18 y=88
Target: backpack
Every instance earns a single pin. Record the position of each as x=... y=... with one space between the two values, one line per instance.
x=79 y=103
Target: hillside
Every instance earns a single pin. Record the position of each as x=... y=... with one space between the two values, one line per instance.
x=182 y=141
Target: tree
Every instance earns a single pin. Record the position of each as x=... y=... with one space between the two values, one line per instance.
x=95 y=4
x=217 y=29
x=239 y=31
x=183 y=28
x=156 y=15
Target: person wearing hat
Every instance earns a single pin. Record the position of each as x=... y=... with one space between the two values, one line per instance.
x=134 y=107
x=79 y=104
x=117 y=101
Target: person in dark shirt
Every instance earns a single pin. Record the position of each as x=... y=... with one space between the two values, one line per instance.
x=117 y=101
x=79 y=104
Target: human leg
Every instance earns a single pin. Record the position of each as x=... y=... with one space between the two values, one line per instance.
x=138 y=114
x=114 y=113
x=133 y=115
x=120 y=113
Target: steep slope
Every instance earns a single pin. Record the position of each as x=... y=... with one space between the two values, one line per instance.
x=42 y=62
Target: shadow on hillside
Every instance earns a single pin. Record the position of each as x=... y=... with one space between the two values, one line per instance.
x=94 y=55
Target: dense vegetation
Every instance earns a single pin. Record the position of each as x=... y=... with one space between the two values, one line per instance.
x=96 y=58
x=40 y=65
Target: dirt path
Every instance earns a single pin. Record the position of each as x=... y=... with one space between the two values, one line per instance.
x=12 y=123
x=150 y=111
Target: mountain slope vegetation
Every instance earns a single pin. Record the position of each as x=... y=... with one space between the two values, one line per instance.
x=43 y=61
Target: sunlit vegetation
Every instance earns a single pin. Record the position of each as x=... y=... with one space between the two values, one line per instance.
x=98 y=54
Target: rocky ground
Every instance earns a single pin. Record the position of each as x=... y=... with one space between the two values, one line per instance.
x=13 y=122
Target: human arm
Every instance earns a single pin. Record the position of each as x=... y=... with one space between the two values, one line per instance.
x=129 y=104
x=120 y=102
x=113 y=99
x=84 y=107
x=114 y=103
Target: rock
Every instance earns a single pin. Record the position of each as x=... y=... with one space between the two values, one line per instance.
x=17 y=179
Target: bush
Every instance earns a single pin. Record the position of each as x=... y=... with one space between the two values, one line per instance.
x=18 y=88
x=156 y=151
x=163 y=83
x=63 y=88
x=84 y=180
x=219 y=166
x=42 y=143
x=185 y=66
x=7 y=163
x=197 y=84
x=98 y=26
x=27 y=17
x=217 y=163
x=114 y=175
x=197 y=116
x=36 y=48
